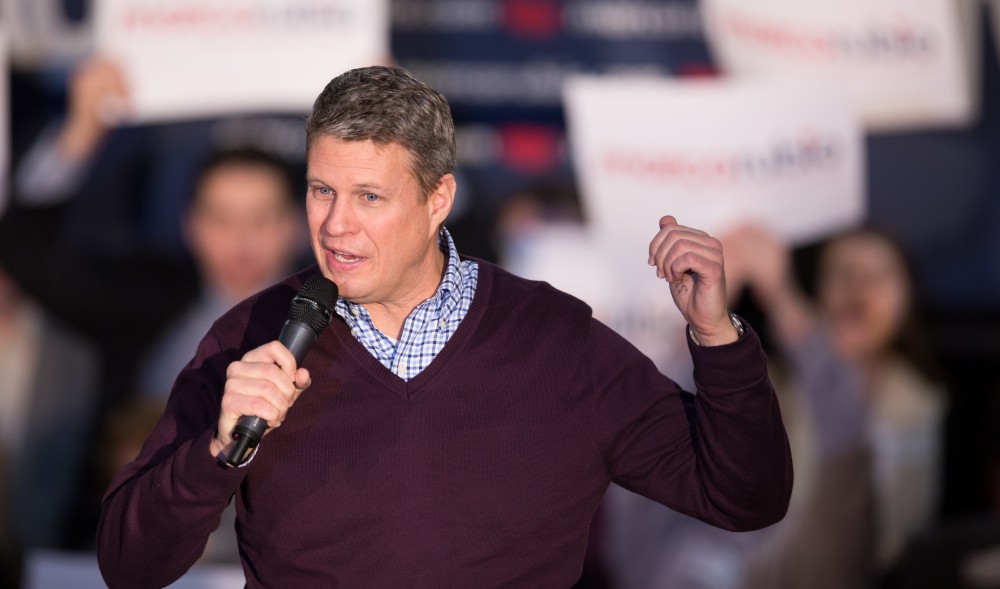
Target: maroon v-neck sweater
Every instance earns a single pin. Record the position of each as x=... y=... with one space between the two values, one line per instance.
x=483 y=471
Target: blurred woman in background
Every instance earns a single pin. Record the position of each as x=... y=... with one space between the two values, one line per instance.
x=865 y=310
x=865 y=294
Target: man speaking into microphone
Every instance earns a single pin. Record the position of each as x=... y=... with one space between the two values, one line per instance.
x=453 y=425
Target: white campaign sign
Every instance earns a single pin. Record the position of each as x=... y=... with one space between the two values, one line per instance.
x=190 y=58
x=714 y=153
x=903 y=62
x=628 y=298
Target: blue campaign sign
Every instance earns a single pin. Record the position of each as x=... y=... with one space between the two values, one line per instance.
x=502 y=63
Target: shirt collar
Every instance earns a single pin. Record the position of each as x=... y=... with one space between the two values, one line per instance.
x=450 y=286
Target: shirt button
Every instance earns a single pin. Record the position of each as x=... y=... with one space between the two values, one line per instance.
x=355 y=311
x=354 y=331
x=442 y=324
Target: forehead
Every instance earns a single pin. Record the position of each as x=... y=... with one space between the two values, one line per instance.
x=343 y=159
x=242 y=185
x=865 y=255
x=862 y=250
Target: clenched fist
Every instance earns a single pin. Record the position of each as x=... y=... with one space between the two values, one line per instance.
x=264 y=383
x=691 y=261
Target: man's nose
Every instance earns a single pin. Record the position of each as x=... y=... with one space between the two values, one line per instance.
x=340 y=218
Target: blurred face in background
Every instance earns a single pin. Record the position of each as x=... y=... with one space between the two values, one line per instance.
x=865 y=293
x=243 y=228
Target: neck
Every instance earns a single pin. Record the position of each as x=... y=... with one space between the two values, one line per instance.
x=390 y=316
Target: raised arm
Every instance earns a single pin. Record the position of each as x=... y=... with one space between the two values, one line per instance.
x=720 y=455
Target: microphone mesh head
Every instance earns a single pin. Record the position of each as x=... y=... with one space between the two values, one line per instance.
x=314 y=303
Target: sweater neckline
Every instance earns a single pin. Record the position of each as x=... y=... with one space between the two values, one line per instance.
x=408 y=389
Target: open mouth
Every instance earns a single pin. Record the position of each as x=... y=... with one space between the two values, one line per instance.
x=344 y=257
x=341 y=261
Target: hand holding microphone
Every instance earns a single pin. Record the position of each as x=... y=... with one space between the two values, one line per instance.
x=263 y=385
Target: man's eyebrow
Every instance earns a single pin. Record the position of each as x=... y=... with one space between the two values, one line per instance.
x=374 y=187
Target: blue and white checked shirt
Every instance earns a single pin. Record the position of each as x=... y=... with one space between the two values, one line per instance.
x=428 y=327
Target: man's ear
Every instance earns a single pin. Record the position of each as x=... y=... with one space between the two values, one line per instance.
x=442 y=199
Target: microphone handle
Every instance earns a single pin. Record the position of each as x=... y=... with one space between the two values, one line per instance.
x=248 y=431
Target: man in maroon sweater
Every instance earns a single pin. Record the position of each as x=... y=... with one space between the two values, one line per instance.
x=461 y=424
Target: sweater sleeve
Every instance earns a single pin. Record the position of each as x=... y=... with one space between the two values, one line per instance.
x=160 y=509
x=720 y=455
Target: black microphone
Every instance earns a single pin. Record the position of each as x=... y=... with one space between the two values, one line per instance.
x=308 y=315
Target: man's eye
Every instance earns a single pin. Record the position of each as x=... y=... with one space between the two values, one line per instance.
x=371 y=197
x=323 y=191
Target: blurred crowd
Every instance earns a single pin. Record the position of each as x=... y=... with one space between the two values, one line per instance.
x=121 y=244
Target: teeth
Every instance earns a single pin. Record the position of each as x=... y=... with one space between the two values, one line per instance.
x=342 y=257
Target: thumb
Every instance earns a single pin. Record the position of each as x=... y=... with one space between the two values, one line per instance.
x=302 y=382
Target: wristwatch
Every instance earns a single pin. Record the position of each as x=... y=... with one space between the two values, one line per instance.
x=740 y=329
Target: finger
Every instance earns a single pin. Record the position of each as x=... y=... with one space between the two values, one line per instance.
x=669 y=228
x=669 y=221
x=666 y=224
x=274 y=393
x=274 y=353
x=116 y=74
x=236 y=404
x=699 y=264
x=654 y=246
x=266 y=391
x=118 y=84
x=302 y=382
x=680 y=242
x=259 y=371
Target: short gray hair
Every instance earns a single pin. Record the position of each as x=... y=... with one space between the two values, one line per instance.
x=388 y=105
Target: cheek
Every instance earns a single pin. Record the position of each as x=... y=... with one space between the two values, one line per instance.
x=214 y=242
x=395 y=234
x=316 y=212
x=832 y=298
x=849 y=316
x=232 y=248
x=268 y=243
x=390 y=242
x=889 y=310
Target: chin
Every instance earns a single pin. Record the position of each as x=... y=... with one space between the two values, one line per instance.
x=349 y=289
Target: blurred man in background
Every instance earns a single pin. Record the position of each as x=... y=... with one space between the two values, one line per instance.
x=144 y=310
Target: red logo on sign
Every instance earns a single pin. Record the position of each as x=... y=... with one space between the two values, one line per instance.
x=532 y=19
x=784 y=158
x=529 y=148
